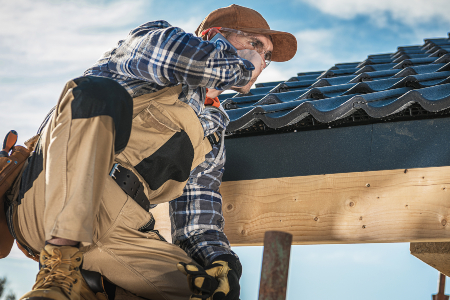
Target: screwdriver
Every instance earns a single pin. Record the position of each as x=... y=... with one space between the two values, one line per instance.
x=8 y=143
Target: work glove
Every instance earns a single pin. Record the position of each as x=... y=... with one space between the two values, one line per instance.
x=218 y=281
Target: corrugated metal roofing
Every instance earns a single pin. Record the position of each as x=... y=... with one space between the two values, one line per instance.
x=413 y=82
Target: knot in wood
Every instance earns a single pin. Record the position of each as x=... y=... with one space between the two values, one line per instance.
x=444 y=222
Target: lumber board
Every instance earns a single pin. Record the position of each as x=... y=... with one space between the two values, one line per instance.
x=437 y=255
x=404 y=205
x=162 y=220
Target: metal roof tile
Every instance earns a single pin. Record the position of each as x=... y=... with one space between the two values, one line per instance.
x=381 y=86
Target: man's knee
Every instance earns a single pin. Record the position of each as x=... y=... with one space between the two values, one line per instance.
x=98 y=96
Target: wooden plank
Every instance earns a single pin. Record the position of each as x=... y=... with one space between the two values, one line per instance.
x=162 y=220
x=436 y=255
x=364 y=207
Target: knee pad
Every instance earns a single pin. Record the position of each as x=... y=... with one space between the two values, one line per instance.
x=97 y=96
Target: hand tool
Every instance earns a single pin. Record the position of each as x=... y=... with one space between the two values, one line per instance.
x=8 y=143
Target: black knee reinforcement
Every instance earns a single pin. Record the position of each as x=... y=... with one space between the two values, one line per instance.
x=98 y=96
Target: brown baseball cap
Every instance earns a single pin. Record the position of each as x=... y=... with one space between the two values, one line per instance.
x=251 y=21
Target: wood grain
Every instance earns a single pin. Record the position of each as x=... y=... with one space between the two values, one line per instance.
x=436 y=255
x=162 y=220
x=410 y=205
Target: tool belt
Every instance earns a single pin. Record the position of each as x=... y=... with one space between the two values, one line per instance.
x=11 y=164
x=130 y=184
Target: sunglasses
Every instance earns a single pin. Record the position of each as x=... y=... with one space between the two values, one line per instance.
x=248 y=41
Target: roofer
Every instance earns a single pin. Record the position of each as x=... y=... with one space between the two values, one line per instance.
x=139 y=115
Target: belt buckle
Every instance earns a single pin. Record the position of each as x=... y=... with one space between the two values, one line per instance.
x=113 y=170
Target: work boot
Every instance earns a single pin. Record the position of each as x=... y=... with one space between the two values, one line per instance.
x=59 y=277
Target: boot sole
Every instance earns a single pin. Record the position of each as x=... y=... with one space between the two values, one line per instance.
x=37 y=298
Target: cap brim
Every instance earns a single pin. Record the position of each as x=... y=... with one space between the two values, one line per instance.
x=284 y=43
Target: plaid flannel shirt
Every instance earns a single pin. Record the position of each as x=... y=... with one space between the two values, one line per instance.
x=156 y=55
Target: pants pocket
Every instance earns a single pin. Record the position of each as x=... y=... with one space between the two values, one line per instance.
x=154 y=116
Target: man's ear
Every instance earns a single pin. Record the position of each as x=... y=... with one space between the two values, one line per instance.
x=209 y=33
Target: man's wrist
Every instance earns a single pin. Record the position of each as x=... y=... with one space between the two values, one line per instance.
x=213 y=93
x=233 y=263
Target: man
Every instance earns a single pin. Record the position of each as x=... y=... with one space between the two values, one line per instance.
x=139 y=115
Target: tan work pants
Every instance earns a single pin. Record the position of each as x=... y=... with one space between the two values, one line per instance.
x=67 y=192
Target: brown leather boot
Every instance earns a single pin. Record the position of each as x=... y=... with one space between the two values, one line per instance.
x=59 y=277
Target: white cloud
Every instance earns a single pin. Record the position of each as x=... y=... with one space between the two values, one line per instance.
x=274 y=73
x=46 y=43
x=49 y=32
x=316 y=51
x=314 y=48
x=189 y=25
x=313 y=54
x=411 y=12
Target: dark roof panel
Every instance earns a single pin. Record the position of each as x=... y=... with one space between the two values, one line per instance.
x=266 y=84
x=256 y=91
x=346 y=65
x=413 y=82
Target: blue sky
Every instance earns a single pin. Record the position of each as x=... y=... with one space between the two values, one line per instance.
x=45 y=43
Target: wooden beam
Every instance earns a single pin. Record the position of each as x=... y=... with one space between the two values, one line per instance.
x=436 y=255
x=162 y=220
x=410 y=205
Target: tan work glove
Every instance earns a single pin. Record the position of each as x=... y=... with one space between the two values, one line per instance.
x=218 y=281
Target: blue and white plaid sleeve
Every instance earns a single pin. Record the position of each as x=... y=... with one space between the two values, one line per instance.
x=159 y=53
x=156 y=55
x=196 y=216
x=212 y=120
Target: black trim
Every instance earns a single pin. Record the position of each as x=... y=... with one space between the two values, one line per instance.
x=110 y=289
x=374 y=147
x=32 y=171
x=172 y=161
x=93 y=280
x=97 y=96
x=98 y=284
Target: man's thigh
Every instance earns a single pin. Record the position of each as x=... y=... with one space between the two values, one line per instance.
x=136 y=260
x=64 y=180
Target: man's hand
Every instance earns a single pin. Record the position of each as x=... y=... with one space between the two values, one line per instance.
x=218 y=281
x=213 y=93
x=259 y=64
x=255 y=58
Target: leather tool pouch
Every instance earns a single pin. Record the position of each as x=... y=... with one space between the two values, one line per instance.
x=10 y=168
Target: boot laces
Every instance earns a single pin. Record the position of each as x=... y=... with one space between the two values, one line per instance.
x=57 y=276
